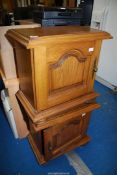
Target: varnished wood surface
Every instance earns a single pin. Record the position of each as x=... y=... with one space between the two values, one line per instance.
x=51 y=121
x=57 y=138
x=41 y=158
x=63 y=76
x=36 y=150
x=59 y=114
x=24 y=71
x=33 y=37
x=64 y=73
x=60 y=30
x=56 y=69
x=41 y=116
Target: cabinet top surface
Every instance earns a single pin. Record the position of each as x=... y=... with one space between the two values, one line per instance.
x=60 y=30
x=41 y=33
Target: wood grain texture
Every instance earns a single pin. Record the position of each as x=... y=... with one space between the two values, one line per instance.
x=56 y=69
x=7 y=58
x=57 y=115
x=52 y=35
x=39 y=156
x=64 y=73
x=24 y=67
x=67 y=70
x=41 y=75
x=57 y=138
x=69 y=80
x=64 y=117
x=41 y=116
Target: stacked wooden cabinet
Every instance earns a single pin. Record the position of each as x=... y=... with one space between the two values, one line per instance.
x=56 y=68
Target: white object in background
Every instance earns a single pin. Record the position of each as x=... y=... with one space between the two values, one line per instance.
x=78 y=2
x=107 y=69
x=97 y=16
x=8 y=112
x=76 y=162
x=96 y=21
x=100 y=13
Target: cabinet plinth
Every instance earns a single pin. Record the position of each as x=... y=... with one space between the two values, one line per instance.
x=56 y=68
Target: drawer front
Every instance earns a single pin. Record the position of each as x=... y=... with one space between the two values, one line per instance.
x=58 y=138
x=63 y=73
x=49 y=121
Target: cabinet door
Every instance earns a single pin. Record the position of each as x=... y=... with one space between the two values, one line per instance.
x=63 y=137
x=63 y=72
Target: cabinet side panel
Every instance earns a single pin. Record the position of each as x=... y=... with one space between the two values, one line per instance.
x=23 y=58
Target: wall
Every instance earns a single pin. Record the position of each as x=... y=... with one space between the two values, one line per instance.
x=108 y=57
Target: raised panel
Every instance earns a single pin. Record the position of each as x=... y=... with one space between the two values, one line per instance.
x=57 y=138
x=61 y=136
x=64 y=73
x=53 y=53
x=68 y=76
x=67 y=71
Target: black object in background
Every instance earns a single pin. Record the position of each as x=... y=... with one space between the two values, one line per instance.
x=87 y=8
x=21 y=13
x=9 y=19
x=57 y=16
x=59 y=3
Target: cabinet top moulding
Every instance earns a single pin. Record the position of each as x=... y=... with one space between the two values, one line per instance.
x=33 y=37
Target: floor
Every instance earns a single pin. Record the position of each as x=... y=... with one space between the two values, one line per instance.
x=100 y=155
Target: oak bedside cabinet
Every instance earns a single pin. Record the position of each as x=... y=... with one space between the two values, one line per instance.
x=56 y=69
